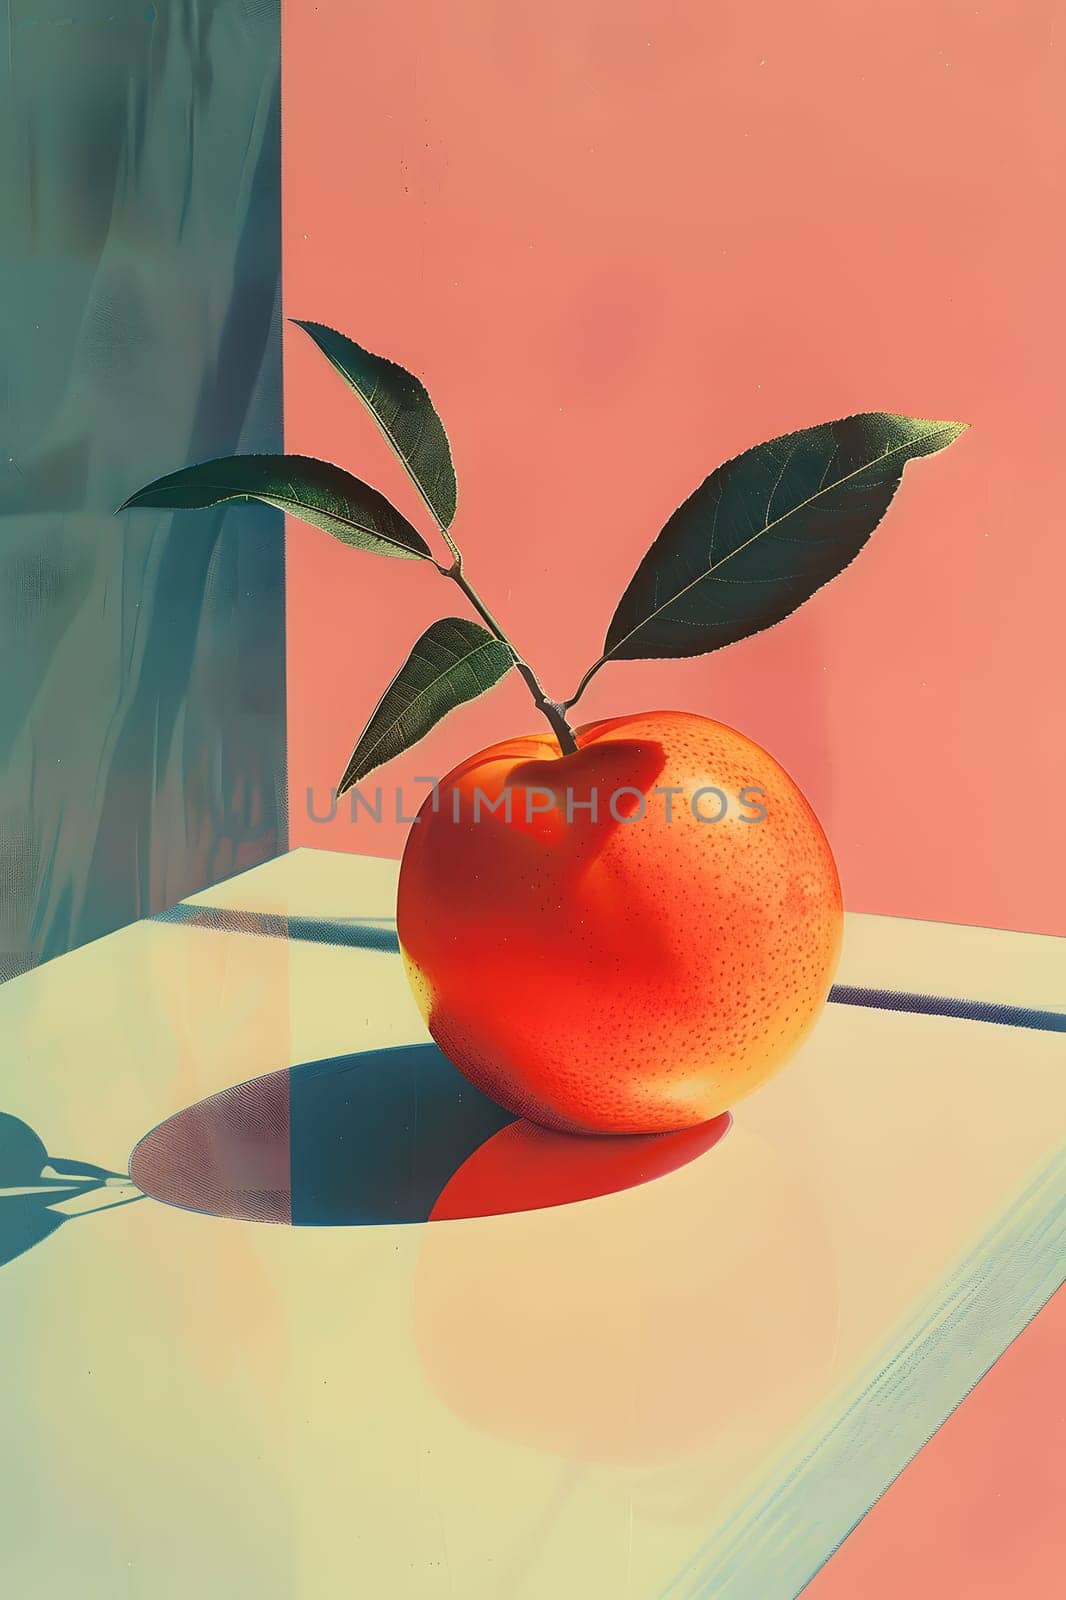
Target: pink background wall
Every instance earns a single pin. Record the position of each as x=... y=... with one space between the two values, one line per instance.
x=978 y=1514
x=622 y=240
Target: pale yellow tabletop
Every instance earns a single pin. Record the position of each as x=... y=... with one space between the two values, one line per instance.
x=690 y=1387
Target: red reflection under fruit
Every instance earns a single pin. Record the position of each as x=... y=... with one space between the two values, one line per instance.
x=525 y=1167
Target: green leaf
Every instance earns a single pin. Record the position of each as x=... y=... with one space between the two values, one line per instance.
x=402 y=409
x=315 y=491
x=454 y=661
x=766 y=530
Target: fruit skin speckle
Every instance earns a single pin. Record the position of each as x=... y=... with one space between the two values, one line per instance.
x=607 y=976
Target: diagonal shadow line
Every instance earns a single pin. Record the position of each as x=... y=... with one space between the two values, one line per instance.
x=357 y=933
x=379 y=933
x=932 y=1005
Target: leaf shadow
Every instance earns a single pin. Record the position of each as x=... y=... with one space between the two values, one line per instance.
x=33 y=1183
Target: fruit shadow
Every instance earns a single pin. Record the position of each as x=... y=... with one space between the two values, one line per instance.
x=382 y=1137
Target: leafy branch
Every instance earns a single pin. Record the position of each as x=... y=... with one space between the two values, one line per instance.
x=754 y=541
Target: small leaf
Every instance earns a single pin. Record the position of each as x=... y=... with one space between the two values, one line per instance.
x=454 y=661
x=402 y=409
x=765 y=531
x=315 y=491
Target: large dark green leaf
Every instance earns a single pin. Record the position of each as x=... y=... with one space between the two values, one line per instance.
x=403 y=411
x=454 y=661
x=766 y=530
x=315 y=491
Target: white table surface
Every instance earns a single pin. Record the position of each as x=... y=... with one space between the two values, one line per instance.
x=690 y=1387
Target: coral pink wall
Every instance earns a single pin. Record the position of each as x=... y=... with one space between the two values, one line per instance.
x=624 y=239
x=978 y=1512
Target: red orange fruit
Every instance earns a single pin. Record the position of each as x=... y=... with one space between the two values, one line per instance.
x=627 y=939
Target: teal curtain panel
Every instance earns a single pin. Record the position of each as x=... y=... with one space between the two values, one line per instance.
x=142 y=662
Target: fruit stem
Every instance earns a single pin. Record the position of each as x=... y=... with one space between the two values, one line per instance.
x=551 y=709
x=583 y=685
